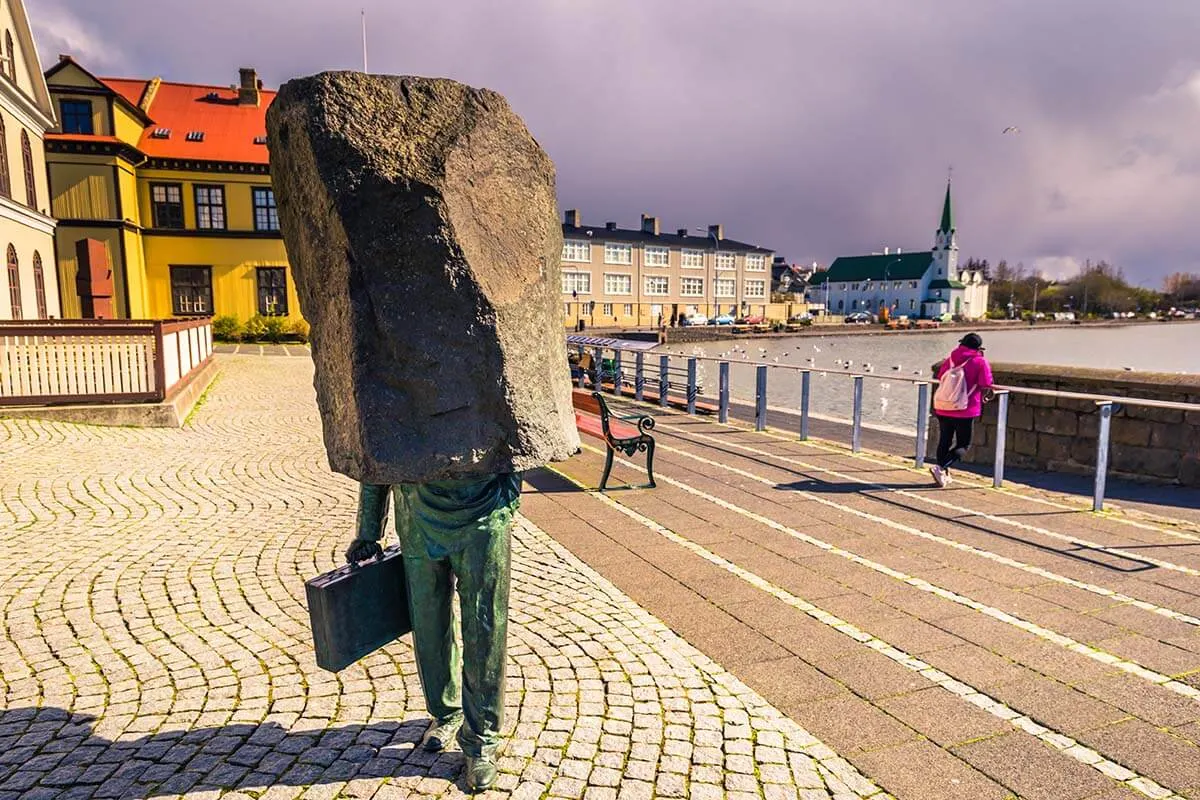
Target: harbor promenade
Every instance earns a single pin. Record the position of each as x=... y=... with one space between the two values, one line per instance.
x=777 y=620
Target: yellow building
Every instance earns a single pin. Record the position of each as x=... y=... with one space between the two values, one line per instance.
x=28 y=289
x=173 y=179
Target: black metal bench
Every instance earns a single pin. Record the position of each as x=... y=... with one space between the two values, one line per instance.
x=594 y=418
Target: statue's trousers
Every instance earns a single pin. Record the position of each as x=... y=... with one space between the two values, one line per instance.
x=455 y=535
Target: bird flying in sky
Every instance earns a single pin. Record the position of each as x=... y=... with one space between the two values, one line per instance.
x=1011 y=129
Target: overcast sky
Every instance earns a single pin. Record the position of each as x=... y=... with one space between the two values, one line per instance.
x=815 y=127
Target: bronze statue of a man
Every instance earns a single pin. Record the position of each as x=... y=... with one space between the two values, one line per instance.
x=421 y=223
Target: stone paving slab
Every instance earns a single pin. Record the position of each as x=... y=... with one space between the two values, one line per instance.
x=155 y=640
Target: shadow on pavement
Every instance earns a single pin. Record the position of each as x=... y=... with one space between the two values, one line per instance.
x=49 y=748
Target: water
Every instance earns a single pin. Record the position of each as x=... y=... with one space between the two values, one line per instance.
x=894 y=361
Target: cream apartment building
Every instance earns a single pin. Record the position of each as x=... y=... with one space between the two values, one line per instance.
x=621 y=277
x=28 y=282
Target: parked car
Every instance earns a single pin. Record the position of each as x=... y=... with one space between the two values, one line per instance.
x=859 y=318
x=694 y=319
x=801 y=319
x=755 y=320
x=723 y=319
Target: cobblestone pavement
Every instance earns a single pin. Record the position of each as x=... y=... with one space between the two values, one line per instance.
x=156 y=640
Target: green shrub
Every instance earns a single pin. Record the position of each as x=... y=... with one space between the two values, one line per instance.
x=255 y=329
x=300 y=330
x=226 y=329
x=275 y=329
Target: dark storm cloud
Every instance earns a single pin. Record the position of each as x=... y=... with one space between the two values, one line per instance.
x=816 y=128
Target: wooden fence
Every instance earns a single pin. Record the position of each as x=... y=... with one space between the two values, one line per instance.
x=52 y=362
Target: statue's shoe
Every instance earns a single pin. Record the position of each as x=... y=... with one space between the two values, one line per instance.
x=481 y=772
x=440 y=734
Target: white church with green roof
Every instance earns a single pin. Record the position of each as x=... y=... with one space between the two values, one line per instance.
x=926 y=284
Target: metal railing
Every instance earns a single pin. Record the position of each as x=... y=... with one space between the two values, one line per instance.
x=1106 y=405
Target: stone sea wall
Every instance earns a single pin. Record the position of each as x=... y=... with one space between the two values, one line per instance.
x=1059 y=434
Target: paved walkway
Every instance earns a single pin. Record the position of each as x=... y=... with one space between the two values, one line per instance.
x=777 y=620
x=156 y=640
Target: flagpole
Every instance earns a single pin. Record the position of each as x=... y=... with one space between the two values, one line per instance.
x=364 y=39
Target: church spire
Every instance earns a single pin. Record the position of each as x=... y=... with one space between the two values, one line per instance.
x=947 y=213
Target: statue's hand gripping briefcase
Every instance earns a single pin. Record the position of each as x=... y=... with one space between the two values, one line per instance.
x=358 y=608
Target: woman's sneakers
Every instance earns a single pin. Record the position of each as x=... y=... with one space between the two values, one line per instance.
x=940 y=476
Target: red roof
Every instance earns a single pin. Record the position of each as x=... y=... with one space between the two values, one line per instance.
x=229 y=128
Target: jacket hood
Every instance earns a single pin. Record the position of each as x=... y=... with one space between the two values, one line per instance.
x=962 y=353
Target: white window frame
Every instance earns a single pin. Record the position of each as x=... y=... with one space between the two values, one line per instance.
x=688 y=253
x=689 y=280
x=655 y=256
x=725 y=288
x=574 y=250
x=625 y=275
x=628 y=309
x=613 y=251
x=756 y=262
x=754 y=289
x=606 y=310
x=726 y=261
x=655 y=280
x=575 y=273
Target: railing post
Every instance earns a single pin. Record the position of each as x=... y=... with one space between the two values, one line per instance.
x=692 y=388
x=922 y=424
x=1106 y=411
x=618 y=377
x=805 y=394
x=639 y=376
x=1001 y=437
x=760 y=398
x=160 y=363
x=664 y=381
x=856 y=426
x=723 y=401
x=582 y=376
x=598 y=369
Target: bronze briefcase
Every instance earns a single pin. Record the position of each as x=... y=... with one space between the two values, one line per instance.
x=358 y=608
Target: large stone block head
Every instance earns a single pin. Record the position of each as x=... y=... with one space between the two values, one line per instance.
x=421 y=225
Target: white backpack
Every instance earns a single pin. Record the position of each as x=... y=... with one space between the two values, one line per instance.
x=952 y=393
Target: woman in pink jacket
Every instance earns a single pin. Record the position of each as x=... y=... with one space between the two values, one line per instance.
x=955 y=426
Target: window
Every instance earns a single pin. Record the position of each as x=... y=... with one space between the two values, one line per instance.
x=607 y=310
x=9 y=54
x=658 y=284
x=567 y=309
x=191 y=291
x=14 y=283
x=657 y=256
x=166 y=203
x=272 y=291
x=726 y=261
x=27 y=161
x=628 y=309
x=39 y=285
x=618 y=284
x=210 y=207
x=618 y=253
x=5 y=181
x=725 y=287
x=574 y=250
x=841 y=305
x=912 y=284
x=580 y=282
x=693 y=259
x=912 y=304
x=756 y=262
x=896 y=284
x=854 y=287
x=76 y=116
x=854 y=304
x=266 y=218
x=691 y=287
x=757 y=289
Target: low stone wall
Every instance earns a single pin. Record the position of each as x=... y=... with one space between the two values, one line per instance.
x=1059 y=435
